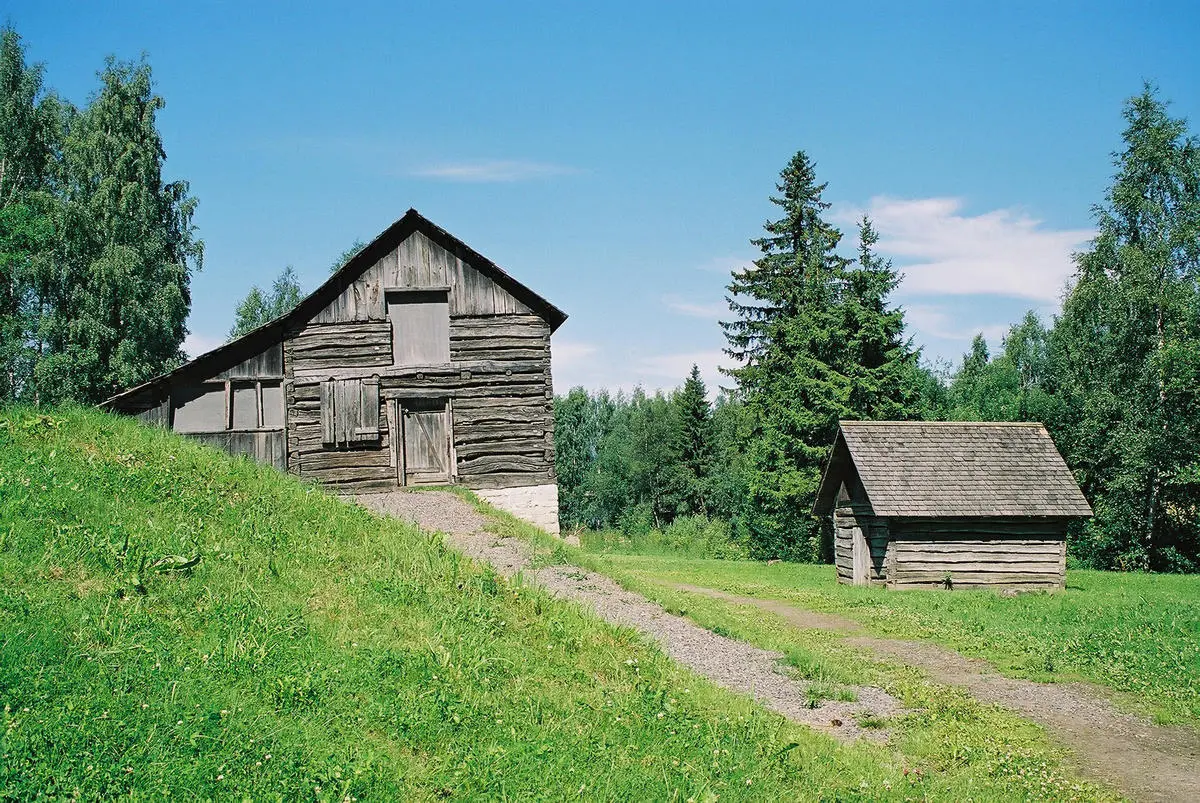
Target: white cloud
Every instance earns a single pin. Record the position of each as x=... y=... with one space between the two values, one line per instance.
x=933 y=321
x=480 y=171
x=196 y=344
x=667 y=371
x=711 y=311
x=726 y=265
x=568 y=353
x=943 y=252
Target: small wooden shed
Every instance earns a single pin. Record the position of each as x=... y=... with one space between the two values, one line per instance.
x=957 y=504
x=418 y=362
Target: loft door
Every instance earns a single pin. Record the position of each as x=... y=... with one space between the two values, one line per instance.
x=425 y=447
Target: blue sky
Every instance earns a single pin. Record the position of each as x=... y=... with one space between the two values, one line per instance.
x=619 y=159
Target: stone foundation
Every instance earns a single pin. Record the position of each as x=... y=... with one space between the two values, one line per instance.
x=536 y=504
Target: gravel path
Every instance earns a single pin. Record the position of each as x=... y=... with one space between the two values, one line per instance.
x=733 y=664
x=1145 y=761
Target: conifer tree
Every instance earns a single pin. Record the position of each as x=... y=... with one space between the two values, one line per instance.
x=789 y=338
x=880 y=360
x=694 y=414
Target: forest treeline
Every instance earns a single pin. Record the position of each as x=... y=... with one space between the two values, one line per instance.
x=814 y=338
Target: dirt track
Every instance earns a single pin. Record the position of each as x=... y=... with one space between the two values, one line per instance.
x=1145 y=761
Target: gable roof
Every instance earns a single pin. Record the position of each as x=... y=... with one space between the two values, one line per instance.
x=952 y=469
x=251 y=343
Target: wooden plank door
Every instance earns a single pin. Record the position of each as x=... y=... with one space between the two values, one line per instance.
x=426 y=444
x=861 y=556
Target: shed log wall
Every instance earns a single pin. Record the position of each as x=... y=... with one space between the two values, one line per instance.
x=977 y=553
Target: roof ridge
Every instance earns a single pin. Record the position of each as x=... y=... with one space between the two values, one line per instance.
x=856 y=422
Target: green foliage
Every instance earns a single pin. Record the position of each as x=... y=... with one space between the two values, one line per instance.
x=318 y=652
x=816 y=341
x=258 y=308
x=97 y=249
x=636 y=462
x=695 y=441
x=346 y=256
x=1127 y=353
x=695 y=536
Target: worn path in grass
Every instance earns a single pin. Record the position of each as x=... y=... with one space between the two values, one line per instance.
x=732 y=664
x=1146 y=761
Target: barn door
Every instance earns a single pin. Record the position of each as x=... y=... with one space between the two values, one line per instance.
x=861 y=557
x=425 y=443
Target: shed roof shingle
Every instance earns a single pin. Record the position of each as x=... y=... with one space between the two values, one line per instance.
x=953 y=469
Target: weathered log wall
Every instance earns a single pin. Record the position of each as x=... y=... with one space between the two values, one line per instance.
x=419 y=263
x=1028 y=553
x=497 y=383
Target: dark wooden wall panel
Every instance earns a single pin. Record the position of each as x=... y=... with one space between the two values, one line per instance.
x=418 y=262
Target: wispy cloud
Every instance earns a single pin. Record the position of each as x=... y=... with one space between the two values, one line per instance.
x=710 y=311
x=196 y=344
x=569 y=353
x=934 y=321
x=725 y=265
x=483 y=171
x=944 y=252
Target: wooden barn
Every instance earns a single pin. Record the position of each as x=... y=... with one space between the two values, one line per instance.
x=418 y=362
x=948 y=504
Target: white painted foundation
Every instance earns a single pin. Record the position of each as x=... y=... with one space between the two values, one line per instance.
x=536 y=504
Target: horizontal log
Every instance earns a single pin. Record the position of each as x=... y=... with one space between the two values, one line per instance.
x=506 y=463
x=346 y=458
x=522 y=447
x=1001 y=567
x=356 y=474
x=484 y=433
x=1026 y=554
x=507 y=479
x=462 y=340
x=524 y=417
x=899 y=575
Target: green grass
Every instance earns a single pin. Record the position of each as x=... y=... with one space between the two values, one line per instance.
x=1137 y=634
x=320 y=653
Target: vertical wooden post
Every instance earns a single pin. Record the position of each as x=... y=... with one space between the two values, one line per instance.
x=452 y=470
x=393 y=438
x=401 y=446
x=259 y=402
x=228 y=404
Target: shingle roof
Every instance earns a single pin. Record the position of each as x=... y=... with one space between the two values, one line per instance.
x=953 y=469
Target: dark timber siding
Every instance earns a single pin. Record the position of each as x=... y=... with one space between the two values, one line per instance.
x=338 y=390
x=1016 y=553
x=497 y=383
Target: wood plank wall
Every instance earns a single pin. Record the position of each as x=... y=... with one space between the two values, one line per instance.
x=418 y=262
x=1027 y=553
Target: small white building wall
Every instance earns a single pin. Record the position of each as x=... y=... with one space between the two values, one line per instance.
x=536 y=504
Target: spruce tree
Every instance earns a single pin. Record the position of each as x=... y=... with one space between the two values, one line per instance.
x=789 y=338
x=880 y=360
x=694 y=414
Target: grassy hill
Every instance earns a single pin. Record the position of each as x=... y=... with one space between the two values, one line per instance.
x=318 y=652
